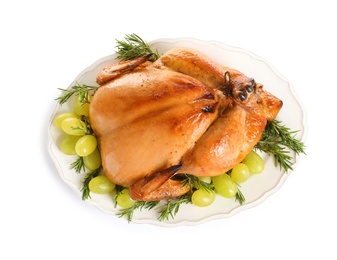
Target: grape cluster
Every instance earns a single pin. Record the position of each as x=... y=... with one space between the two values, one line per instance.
x=227 y=183
x=78 y=140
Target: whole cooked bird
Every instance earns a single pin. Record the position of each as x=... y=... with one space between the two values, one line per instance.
x=183 y=113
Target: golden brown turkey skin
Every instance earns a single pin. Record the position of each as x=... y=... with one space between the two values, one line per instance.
x=147 y=119
x=226 y=143
x=183 y=113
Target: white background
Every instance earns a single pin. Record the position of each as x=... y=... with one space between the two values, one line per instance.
x=46 y=44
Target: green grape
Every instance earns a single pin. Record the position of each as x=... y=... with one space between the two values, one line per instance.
x=73 y=126
x=58 y=119
x=225 y=186
x=124 y=200
x=86 y=145
x=81 y=109
x=203 y=198
x=68 y=144
x=254 y=162
x=240 y=173
x=101 y=185
x=93 y=161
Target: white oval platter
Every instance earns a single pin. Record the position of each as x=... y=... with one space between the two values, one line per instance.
x=255 y=190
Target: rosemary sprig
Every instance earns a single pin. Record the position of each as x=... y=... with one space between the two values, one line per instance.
x=239 y=196
x=118 y=190
x=139 y=205
x=171 y=207
x=286 y=136
x=276 y=141
x=85 y=189
x=133 y=47
x=195 y=183
x=78 y=165
x=82 y=90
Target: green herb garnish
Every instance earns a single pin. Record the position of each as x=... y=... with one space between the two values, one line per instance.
x=78 y=165
x=139 y=205
x=239 y=196
x=171 y=207
x=277 y=140
x=195 y=183
x=133 y=47
x=82 y=90
x=85 y=189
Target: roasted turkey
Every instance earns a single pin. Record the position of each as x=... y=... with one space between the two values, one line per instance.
x=183 y=113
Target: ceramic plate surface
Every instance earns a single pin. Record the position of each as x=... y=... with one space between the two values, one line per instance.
x=256 y=189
